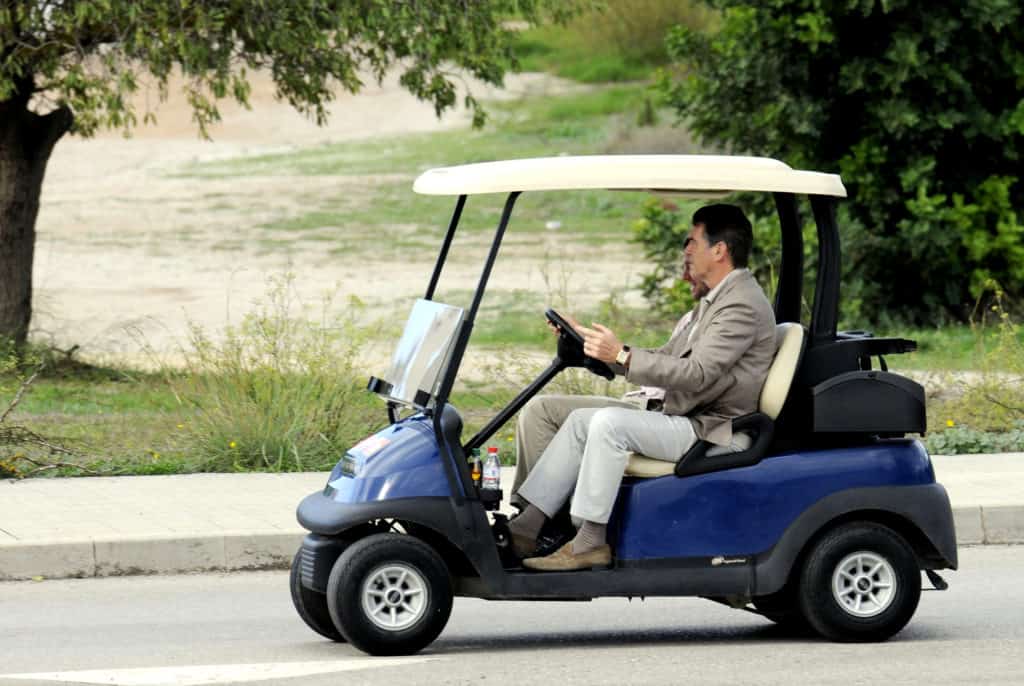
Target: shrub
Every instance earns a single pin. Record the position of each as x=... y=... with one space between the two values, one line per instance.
x=278 y=392
x=663 y=227
x=918 y=105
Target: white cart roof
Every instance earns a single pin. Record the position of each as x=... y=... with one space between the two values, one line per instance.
x=699 y=175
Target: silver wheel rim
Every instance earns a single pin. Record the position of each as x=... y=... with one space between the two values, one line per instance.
x=395 y=596
x=864 y=584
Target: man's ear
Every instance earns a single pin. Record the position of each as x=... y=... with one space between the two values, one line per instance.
x=719 y=250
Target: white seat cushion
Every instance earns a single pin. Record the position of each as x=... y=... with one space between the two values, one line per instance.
x=648 y=467
x=789 y=339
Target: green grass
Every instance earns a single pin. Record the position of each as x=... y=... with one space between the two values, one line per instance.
x=951 y=348
x=115 y=421
x=622 y=42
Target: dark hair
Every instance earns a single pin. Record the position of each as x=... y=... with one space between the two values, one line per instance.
x=727 y=224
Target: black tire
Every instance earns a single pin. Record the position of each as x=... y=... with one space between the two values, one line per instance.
x=312 y=606
x=382 y=558
x=887 y=613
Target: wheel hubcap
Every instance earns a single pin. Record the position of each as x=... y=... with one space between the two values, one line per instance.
x=864 y=584
x=394 y=596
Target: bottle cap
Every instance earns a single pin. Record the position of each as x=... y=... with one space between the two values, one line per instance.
x=492 y=449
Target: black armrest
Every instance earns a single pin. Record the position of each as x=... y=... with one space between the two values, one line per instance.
x=883 y=346
x=760 y=426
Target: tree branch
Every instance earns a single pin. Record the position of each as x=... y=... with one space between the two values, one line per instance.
x=46 y=466
x=1005 y=406
x=53 y=125
x=17 y=396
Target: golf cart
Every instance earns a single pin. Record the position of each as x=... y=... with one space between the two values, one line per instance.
x=826 y=521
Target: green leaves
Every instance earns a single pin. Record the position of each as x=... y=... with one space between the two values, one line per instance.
x=89 y=54
x=919 y=106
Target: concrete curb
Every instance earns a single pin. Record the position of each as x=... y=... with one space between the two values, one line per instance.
x=975 y=525
x=148 y=555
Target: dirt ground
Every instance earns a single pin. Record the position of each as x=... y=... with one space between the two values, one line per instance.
x=122 y=248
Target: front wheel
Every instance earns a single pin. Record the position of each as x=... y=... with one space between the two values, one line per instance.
x=389 y=594
x=860 y=582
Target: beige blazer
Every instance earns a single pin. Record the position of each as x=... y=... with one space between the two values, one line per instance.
x=715 y=375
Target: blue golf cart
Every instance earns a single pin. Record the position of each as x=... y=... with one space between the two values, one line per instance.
x=826 y=522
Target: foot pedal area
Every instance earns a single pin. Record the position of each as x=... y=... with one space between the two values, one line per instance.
x=503 y=541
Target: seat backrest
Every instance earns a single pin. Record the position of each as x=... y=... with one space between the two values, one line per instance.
x=789 y=343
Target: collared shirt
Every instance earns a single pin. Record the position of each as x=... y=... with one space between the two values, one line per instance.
x=713 y=293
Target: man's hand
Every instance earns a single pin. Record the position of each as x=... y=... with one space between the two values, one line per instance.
x=600 y=343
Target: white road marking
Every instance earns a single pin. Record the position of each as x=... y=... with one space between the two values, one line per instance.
x=216 y=674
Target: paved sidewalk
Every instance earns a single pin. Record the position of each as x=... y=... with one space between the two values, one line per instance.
x=85 y=527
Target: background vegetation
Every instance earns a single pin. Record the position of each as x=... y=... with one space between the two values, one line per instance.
x=281 y=390
x=918 y=105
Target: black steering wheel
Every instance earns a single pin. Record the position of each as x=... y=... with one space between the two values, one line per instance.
x=570 y=347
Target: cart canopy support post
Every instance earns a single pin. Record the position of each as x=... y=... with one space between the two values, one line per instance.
x=791 y=264
x=443 y=255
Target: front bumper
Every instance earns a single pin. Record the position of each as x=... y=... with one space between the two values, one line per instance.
x=322 y=515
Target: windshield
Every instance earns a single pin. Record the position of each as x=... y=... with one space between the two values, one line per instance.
x=423 y=353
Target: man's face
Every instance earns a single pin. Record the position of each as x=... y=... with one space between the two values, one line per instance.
x=698 y=254
x=697 y=289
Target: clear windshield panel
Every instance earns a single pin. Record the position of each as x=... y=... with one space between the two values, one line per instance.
x=423 y=353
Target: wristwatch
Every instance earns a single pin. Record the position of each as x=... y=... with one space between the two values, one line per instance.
x=623 y=357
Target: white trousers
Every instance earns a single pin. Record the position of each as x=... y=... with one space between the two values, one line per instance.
x=588 y=455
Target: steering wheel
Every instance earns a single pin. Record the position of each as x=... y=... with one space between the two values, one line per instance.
x=570 y=347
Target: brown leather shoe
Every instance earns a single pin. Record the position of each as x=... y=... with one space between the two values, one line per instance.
x=563 y=559
x=522 y=546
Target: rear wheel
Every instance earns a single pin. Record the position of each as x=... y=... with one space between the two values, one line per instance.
x=861 y=582
x=311 y=606
x=390 y=594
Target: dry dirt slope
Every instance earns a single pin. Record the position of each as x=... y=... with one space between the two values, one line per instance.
x=124 y=243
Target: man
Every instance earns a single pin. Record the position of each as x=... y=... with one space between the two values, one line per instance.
x=712 y=370
x=541 y=418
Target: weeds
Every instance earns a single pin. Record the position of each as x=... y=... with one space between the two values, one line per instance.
x=279 y=392
x=987 y=415
x=20 y=445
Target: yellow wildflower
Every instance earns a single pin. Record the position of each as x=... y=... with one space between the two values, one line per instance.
x=232 y=444
x=950 y=423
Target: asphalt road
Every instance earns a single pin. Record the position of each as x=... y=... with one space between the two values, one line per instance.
x=238 y=627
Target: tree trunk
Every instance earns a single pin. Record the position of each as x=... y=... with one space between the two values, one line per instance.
x=26 y=141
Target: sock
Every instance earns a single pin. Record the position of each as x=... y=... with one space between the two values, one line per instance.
x=591 y=535
x=529 y=522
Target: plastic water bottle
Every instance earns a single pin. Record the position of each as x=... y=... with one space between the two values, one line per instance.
x=492 y=470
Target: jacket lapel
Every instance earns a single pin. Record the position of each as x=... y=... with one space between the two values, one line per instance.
x=704 y=315
x=684 y=342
